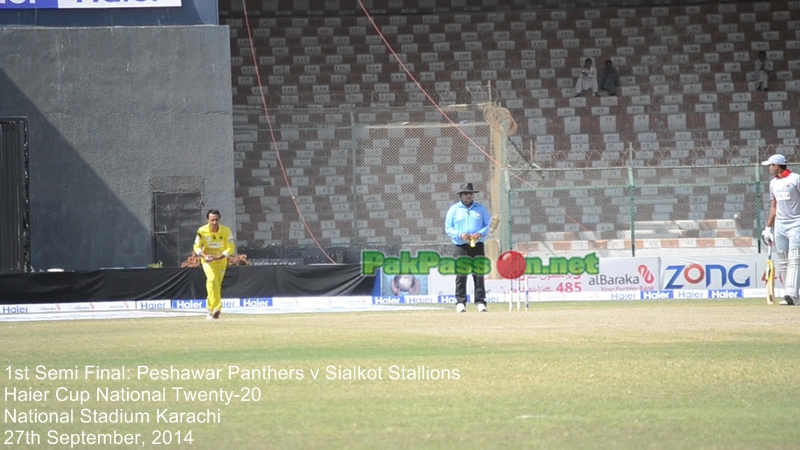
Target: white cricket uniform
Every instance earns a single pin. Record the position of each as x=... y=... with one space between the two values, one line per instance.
x=786 y=193
x=785 y=190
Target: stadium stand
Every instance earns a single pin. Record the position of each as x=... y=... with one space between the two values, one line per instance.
x=687 y=97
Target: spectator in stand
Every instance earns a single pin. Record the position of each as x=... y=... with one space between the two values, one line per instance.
x=588 y=79
x=609 y=78
x=763 y=71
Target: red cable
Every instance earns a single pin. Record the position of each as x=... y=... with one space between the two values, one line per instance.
x=444 y=114
x=272 y=135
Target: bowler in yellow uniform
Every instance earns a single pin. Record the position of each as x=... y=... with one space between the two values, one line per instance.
x=213 y=244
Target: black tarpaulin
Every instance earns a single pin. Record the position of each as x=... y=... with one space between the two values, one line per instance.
x=183 y=284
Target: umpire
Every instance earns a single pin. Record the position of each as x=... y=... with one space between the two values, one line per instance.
x=467 y=224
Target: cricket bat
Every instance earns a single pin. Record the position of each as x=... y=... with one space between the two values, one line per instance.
x=493 y=247
x=769 y=278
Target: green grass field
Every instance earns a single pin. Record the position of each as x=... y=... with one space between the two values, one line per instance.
x=678 y=374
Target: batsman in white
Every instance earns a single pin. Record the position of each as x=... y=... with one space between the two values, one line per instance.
x=784 y=216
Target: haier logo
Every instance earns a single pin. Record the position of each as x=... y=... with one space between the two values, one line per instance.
x=656 y=295
x=625 y=296
x=414 y=299
x=29 y=4
x=448 y=299
x=64 y=4
x=725 y=293
x=256 y=302
x=188 y=304
x=97 y=4
x=716 y=274
x=497 y=298
x=690 y=294
x=387 y=300
x=152 y=305
x=15 y=310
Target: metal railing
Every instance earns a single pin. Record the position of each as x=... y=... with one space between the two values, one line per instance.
x=638 y=210
x=383 y=179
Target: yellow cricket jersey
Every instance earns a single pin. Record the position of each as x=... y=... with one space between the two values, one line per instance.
x=214 y=244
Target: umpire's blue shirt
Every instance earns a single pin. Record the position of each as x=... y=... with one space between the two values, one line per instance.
x=461 y=219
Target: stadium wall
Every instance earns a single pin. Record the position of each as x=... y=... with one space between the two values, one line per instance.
x=116 y=114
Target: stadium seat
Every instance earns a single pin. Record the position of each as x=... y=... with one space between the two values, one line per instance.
x=684 y=83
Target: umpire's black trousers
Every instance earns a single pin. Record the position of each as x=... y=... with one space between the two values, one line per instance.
x=461 y=280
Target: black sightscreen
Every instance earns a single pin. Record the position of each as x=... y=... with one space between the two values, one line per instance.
x=14 y=200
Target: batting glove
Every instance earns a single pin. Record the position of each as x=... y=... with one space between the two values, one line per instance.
x=766 y=235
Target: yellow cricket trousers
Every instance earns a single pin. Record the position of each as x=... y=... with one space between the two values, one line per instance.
x=215 y=272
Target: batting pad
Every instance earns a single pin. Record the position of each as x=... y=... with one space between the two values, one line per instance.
x=793 y=272
x=492 y=247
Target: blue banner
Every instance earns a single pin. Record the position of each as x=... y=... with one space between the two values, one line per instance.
x=256 y=302
x=87 y=4
x=414 y=299
x=28 y=4
x=188 y=304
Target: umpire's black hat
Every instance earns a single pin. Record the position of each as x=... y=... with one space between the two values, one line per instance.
x=466 y=187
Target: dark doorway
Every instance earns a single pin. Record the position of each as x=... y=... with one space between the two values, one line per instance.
x=15 y=240
x=177 y=216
